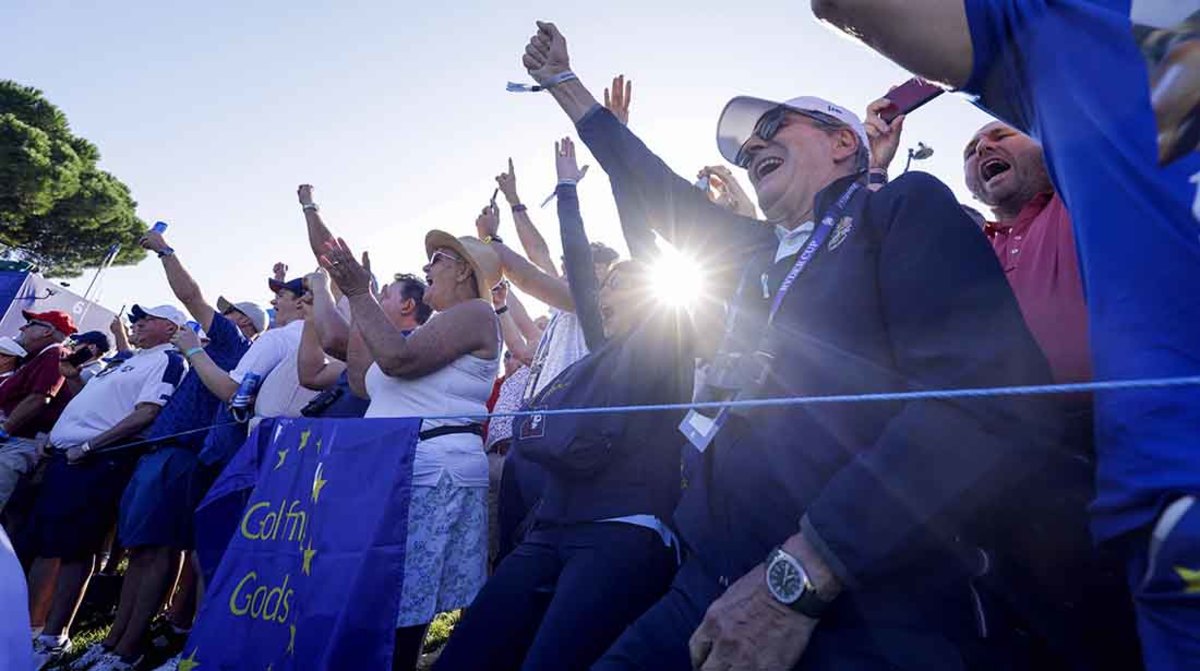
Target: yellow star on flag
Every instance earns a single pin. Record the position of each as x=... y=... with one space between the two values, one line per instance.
x=188 y=663
x=1190 y=578
x=282 y=455
x=304 y=436
x=318 y=483
x=309 y=553
x=291 y=639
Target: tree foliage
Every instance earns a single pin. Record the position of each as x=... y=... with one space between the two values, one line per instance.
x=56 y=206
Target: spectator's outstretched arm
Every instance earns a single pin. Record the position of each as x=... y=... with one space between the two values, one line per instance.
x=531 y=239
x=131 y=425
x=549 y=289
x=514 y=338
x=332 y=329
x=581 y=274
x=25 y=412
x=318 y=233
x=464 y=328
x=182 y=284
x=669 y=203
x=928 y=37
x=120 y=335
x=529 y=330
x=358 y=361
x=314 y=371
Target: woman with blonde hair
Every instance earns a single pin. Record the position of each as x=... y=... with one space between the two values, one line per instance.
x=443 y=368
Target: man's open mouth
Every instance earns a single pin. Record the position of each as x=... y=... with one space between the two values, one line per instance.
x=767 y=166
x=992 y=168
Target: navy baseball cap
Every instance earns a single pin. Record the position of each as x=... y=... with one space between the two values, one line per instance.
x=93 y=338
x=295 y=286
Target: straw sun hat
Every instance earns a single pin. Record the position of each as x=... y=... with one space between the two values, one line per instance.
x=479 y=255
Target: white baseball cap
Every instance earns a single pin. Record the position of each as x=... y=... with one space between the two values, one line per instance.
x=257 y=315
x=740 y=118
x=168 y=312
x=10 y=347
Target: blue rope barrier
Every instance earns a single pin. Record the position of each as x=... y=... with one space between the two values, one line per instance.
x=933 y=394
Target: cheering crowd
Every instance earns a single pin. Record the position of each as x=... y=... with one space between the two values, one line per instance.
x=983 y=531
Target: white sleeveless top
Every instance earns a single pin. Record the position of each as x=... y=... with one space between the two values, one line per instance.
x=462 y=386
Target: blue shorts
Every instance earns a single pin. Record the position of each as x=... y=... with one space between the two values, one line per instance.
x=77 y=505
x=158 y=505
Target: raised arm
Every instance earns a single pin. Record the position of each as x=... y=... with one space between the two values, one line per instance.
x=466 y=328
x=332 y=329
x=525 y=324
x=358 y=361
x=927 y=37
x=318 y=233
x=550 y=289
x=581 y=273
x=666 y=201
x=120 y=336
x=314 y=370
x=182 y=284
x=514 y=339
x=531 y=239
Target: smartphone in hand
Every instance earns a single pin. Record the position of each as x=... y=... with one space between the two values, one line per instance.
x=909 y=96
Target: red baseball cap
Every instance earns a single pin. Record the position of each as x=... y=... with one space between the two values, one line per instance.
x=56 y=318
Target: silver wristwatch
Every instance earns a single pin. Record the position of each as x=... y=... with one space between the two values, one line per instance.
x=788 y=583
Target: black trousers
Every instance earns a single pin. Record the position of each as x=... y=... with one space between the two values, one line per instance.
x=561 y=598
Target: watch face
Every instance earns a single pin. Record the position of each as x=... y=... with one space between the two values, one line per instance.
x=784 y=580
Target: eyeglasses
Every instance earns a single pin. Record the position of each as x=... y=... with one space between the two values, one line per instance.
x=439 y=253
x=37 y=323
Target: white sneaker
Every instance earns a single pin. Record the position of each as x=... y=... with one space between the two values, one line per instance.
x=44 y=653
x=93 y=654
x=171 y=664
x=113 y=662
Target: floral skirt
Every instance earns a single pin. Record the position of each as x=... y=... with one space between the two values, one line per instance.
x=446 y=561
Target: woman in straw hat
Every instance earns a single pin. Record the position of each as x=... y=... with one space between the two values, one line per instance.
x=445 y=367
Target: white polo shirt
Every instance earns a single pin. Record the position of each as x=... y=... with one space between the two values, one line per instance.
x=149 y=376
x=273 y=357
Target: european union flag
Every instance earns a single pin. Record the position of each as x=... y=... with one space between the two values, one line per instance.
x=311 y=576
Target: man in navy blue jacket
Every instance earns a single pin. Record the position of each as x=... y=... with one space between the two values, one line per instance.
x=871 y=519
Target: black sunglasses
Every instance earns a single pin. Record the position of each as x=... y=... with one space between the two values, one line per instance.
x=766 y=128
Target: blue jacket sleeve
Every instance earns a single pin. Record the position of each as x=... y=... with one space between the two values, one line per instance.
x=581 y=275
x=650 y=196
x=939 y=464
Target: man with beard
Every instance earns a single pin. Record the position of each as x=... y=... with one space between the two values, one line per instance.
x=1072 y=74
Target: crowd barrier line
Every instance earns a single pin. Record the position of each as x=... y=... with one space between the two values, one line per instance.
x=921 y=395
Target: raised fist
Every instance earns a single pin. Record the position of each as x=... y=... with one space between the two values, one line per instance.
x=546 y=54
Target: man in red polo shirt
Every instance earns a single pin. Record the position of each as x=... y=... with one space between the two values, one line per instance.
x=1033 y=240
x=1031 y=234
x=32 y=399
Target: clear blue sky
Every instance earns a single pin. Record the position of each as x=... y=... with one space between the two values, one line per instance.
x=213 y=112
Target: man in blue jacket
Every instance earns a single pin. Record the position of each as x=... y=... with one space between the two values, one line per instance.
x=871 y=519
